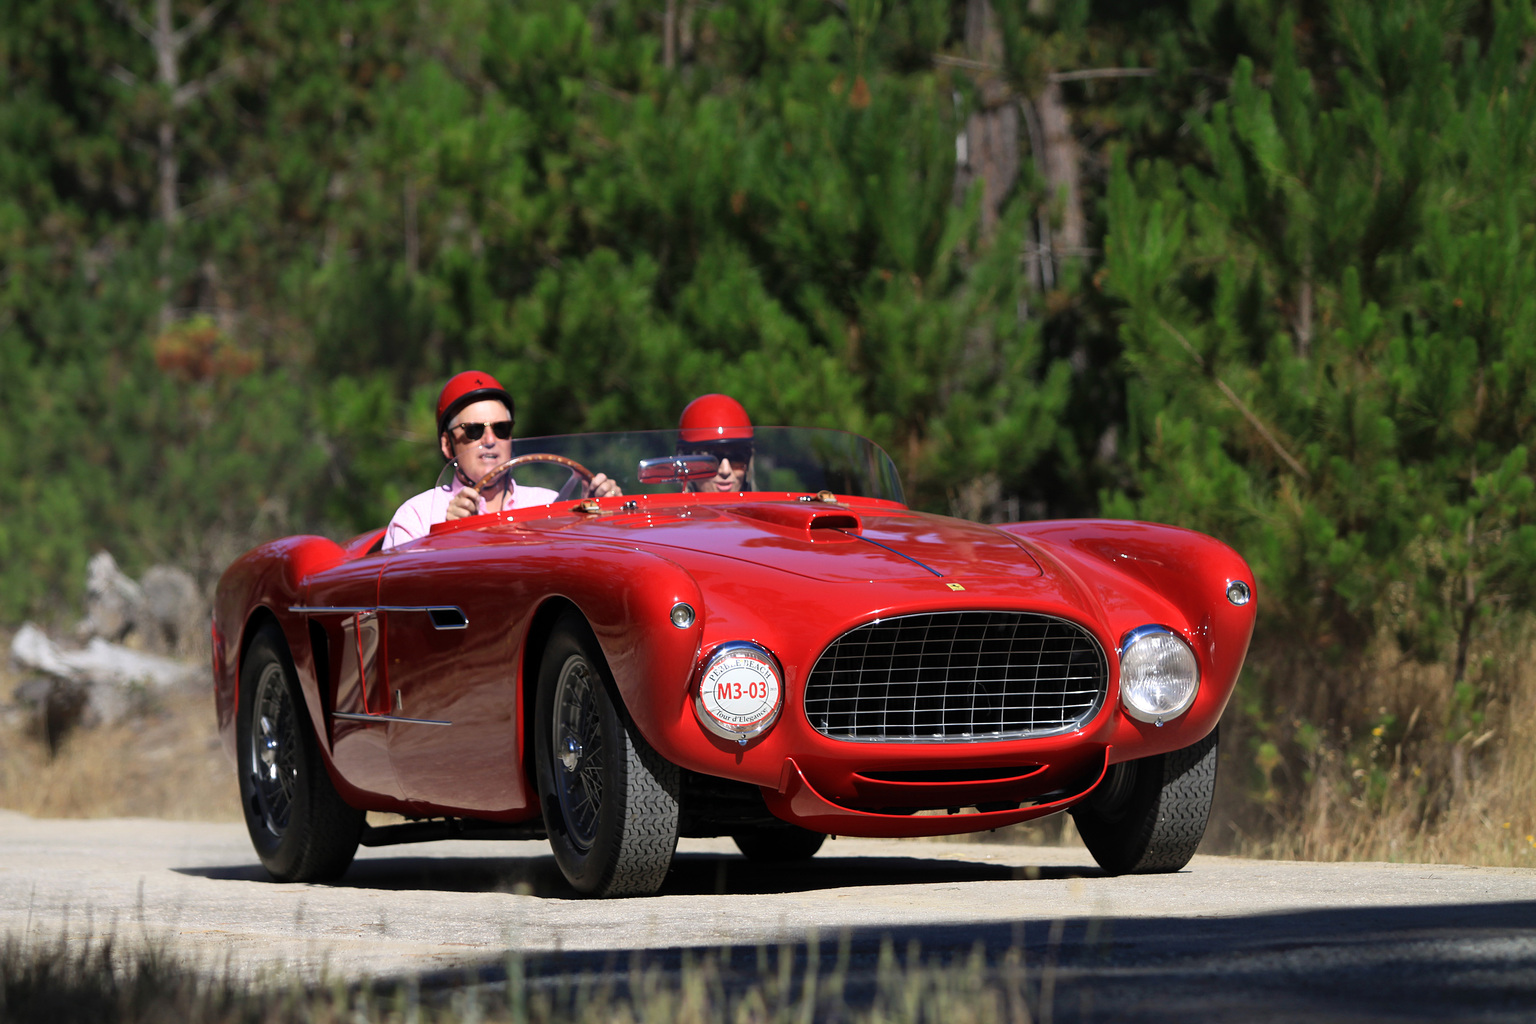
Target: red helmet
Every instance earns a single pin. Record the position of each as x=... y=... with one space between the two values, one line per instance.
x=714 y=418
x=465 y=389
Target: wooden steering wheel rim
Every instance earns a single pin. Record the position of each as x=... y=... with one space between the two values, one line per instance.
x=520 y=460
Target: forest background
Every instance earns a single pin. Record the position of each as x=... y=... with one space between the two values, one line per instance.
x=1262 y=268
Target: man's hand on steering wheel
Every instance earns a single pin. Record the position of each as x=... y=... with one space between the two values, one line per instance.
x=465 y=503
x=600 y=486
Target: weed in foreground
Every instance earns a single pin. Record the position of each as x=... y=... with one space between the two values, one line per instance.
x=101 y=982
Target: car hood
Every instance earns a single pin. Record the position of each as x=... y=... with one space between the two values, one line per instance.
x=830 y=543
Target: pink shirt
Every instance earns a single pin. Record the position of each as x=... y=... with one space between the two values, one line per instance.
x=415 y=518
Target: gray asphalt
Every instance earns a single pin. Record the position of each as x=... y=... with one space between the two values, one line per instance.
x=1226 y=939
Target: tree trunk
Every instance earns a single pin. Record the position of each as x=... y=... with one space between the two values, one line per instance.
x=1059 y=162
x=168 y=74
x=168 y=42
x=990 y=145
x=1303 y=322
x=1039 y=265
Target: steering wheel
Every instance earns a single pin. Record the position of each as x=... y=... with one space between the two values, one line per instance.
x=578 y=471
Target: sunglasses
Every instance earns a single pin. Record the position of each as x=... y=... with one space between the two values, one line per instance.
x=474 y=431
x=738 y=454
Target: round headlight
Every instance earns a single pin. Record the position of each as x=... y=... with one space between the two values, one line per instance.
x=740 y=691
x=682 y=615
x=1158 y=674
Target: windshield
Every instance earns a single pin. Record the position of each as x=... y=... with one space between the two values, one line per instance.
x=799 y=459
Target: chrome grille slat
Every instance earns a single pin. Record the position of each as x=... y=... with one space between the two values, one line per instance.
x=956 y=677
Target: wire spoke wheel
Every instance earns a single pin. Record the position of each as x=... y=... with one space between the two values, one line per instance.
x=273 y=756
x=578 y=745
x=301 y=828
x=610 y=802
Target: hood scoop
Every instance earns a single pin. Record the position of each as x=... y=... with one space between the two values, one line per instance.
x=804 y=521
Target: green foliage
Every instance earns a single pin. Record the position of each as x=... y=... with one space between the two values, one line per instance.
x=1352 y=264
x=372 y=195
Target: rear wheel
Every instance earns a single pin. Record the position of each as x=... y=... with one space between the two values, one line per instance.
x=778 y=844
x=610 y=802
x=301 y=828
x=1149 y=815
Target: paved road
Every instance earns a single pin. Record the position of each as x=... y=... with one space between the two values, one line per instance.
x=1227 y=939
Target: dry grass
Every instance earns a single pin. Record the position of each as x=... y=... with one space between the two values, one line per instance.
x=1487 y=819
x=1393 y=763
x=165 y=762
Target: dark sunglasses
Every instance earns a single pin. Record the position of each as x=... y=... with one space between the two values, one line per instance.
x=738 y=454
x=474 y=431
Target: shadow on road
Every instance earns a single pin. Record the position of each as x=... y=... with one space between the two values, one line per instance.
x=693 y=874
x=1471 y=962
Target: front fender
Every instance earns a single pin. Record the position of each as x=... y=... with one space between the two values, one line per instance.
x=1131 y=567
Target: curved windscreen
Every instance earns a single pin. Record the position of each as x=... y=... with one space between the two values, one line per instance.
x=798 y=459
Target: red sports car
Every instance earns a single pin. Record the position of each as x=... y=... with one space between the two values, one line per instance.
x=803 y=658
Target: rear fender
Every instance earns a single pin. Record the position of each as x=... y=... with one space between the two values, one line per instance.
x=259 y=588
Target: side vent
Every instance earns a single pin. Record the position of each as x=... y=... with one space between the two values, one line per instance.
x=448 y=618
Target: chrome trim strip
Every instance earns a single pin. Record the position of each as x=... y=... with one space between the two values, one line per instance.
x=892 y=550
x=1132 y=635
x=432 y=610
x=348 y=716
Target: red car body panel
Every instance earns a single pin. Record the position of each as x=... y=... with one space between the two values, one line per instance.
x=364 y=631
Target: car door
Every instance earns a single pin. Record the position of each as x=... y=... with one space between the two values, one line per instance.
x=341 y=606
x=453 y=611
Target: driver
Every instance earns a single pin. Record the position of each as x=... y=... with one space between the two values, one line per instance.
x=717 y=425
x=474 y=427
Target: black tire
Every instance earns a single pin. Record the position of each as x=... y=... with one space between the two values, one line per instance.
x=302 y=829
x=1148 y=816
x=778 y=844
x=610 y=802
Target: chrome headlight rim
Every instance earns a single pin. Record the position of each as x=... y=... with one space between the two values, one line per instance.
x=1157 y=717
x=739 y=733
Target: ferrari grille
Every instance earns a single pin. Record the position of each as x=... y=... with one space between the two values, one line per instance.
x=945 y=677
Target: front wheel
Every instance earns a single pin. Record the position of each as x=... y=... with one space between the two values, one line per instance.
x=1149 y=815
x=302 y=830
x=610 y=802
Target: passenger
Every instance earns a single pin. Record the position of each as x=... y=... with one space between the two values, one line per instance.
x=717 y=425
x=474 y=426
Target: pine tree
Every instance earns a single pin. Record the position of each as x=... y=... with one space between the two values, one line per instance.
x=1328 y=321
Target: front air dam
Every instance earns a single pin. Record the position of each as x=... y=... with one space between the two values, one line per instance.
x=796 y=800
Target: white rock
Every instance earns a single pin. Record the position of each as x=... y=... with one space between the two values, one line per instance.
x=100 y=663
